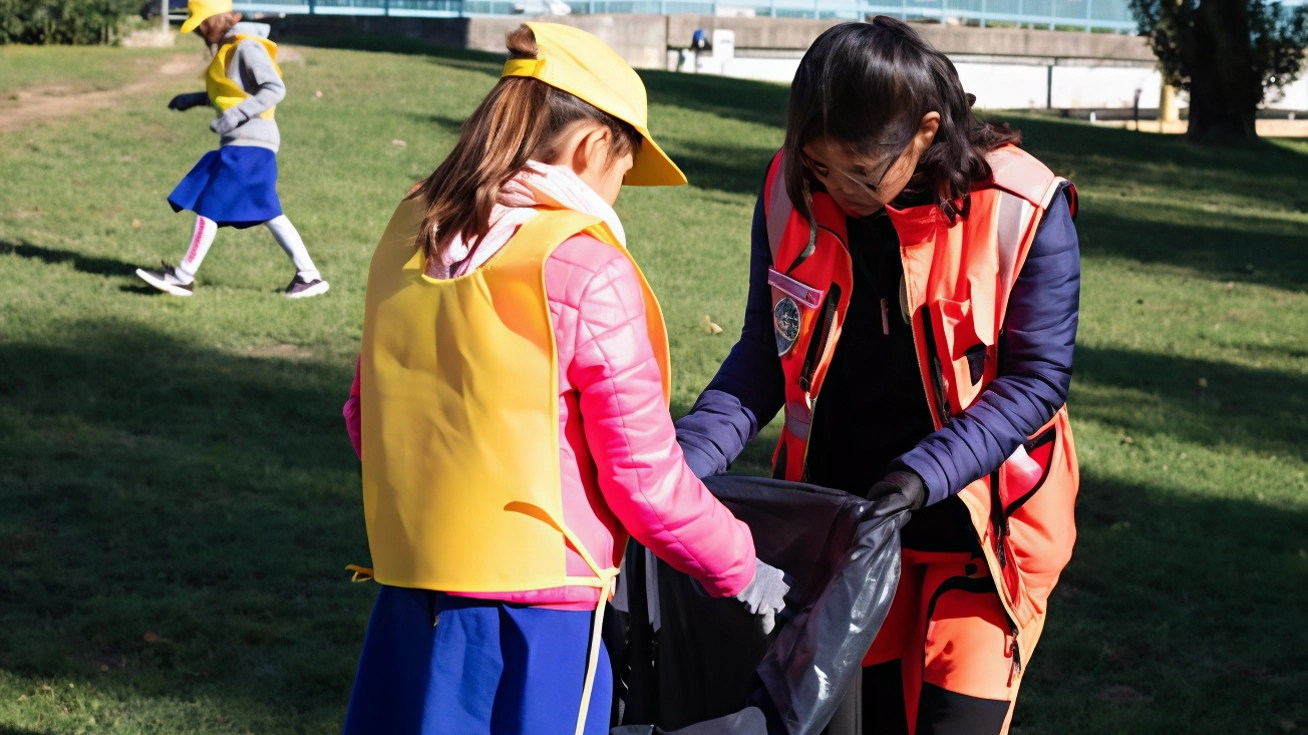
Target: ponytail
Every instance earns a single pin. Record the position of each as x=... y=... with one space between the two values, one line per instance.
x=522 y=119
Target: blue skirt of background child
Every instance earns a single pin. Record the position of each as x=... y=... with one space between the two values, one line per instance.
x=433 y=664
x=235 y=186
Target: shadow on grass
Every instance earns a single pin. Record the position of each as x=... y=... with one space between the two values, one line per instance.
x=736 y=169
x=459 y=58
x=738 y=99
x=80 y=262
x=1224 y=247
x=210 y=499
x=1144 y=393
x=1177 y=613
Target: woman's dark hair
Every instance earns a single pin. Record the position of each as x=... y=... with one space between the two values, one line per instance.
x=867 y=86
x=520 y=120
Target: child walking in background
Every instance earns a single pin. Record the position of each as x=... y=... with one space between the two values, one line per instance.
x=236 y=185
x=510 y=409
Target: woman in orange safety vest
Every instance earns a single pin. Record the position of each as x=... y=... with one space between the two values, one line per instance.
x=912 y=312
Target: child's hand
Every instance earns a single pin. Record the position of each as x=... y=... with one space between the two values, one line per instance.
x=228 y=121
x=765 y=597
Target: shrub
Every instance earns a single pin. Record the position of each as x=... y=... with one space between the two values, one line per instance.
x=63 y=21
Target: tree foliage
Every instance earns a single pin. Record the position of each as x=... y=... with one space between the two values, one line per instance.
x=62 y=21
x=1228 y=54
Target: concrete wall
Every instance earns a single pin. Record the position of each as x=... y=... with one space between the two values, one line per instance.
x=640 y=39
x=644 y=39
x=778 y=34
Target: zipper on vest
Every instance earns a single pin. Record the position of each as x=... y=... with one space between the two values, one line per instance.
x=936 y=375
x=998 y=520
x=817 y=348
x=1016 y=670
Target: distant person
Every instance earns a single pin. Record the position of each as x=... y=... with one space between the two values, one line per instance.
x=236 y=185
x=912 y=311
x=510 y=408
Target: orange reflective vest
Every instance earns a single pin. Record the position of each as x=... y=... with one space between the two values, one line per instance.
x=955 y=290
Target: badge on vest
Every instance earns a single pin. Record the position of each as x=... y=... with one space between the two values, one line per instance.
x=785 y=312
x=785 y=321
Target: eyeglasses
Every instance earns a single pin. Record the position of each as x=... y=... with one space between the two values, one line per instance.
x=812 y=166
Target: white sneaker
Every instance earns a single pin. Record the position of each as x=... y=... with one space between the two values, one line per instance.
x=302 y=289
x=166 y=280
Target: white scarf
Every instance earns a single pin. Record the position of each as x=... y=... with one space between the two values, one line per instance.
x=537 y=185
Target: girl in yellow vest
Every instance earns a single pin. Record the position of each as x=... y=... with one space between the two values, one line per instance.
x=236 y=185
x=912 y=314
x=510 y=409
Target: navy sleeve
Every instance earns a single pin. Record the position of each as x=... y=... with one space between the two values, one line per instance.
x=1039 y=336
x=750 y=387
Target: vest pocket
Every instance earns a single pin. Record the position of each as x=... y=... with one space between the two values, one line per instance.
x=1034 y=526
x=961 y=350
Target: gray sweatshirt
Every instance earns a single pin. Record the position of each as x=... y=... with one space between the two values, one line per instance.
x=252 y=69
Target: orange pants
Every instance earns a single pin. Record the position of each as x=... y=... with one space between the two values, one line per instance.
x=952 y=639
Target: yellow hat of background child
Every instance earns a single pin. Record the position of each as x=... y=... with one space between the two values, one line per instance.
x=576 y=62
x=197 y=11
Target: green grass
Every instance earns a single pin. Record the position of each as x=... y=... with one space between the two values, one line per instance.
x=179 y=468
x=79 y=68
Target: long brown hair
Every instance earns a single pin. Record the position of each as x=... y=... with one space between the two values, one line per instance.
x=522 y=119
x=868 y=85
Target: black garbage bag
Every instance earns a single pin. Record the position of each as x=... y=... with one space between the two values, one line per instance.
x=689 y=664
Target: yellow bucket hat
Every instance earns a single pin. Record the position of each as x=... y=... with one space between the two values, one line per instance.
x=200 y=10
x=576 y=62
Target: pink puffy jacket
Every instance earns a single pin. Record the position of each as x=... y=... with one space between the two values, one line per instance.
x=618 y=453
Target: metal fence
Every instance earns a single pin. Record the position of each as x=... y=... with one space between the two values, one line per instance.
x=1105 y=15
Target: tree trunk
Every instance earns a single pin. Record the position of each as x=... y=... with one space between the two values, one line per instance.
x=1218 y=116
x=1225 y=89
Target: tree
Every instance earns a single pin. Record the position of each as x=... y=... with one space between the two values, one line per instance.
x=1228 y=54
x=62 y=21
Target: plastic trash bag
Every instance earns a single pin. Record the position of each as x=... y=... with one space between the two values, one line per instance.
x=692 y=665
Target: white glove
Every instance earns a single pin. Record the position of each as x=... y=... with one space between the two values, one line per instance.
x=766 y=595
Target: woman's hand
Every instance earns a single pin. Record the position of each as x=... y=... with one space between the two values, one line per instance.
x=902 y=490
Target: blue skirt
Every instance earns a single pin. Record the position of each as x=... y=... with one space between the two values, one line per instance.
x=433 y=664
x=235 y=186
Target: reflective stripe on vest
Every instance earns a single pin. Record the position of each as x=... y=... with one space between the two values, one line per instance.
x=224 y=93
x=957 y=281
x=460 y=415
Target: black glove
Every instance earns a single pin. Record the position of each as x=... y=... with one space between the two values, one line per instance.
x=187 y=101
x=900 y=490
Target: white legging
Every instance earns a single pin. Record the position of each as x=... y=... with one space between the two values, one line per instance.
x=282 y=230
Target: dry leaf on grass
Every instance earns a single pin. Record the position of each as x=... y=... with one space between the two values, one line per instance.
x=709 y=326
x=399 y=143
x=1123 y=694
x=136 y=224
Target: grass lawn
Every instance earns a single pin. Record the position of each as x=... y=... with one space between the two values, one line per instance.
x=179 y=496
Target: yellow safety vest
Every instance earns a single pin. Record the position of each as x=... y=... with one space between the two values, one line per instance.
x=225 y=94
x=460 y=414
